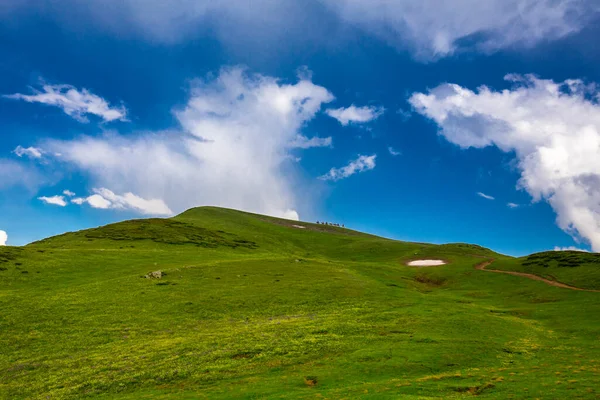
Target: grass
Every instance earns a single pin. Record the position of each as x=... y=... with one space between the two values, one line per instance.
x=253 y=307
x=575 y=268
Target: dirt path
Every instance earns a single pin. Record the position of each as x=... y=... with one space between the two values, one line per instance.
x=482 y=267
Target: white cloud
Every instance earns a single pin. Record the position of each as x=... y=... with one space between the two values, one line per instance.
x=97 y=201
x=361 y=164
x=428 y=28
x=302 y=142
x=106 y=199
x=55 y=200
x=433 y=28
x=394 y=152
x=75 y=103
x=234 y=150
x=353 y=114
x=32 y=152
x=486 y=196
x=553 y=128
x=291 y=215
x=68 y=193
x=512 y=205
x=3 y=238
x=276 y=24
x=570 y=248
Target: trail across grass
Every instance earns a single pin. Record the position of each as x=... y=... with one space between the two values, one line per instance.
x=571 y=268
x=252 y=307
x=484 y=267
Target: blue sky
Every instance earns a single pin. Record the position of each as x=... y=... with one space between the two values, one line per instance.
x=464 y=122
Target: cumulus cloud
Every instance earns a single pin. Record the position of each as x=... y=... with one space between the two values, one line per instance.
x=353 y=114
x=3 y=238
x=106 y=199
x=75 y=103
x=68 y=193
x=394 y=152
x=232 y=148
x=570 y=248
x=302 y=142
x=552 y=127
x=54 y=200
x=512 y=205
x=433 y=28
x=486 y=196
x=31 y=152
x=361 y=164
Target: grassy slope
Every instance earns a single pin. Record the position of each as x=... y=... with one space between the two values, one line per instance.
x=251 y=305
x=571 y=267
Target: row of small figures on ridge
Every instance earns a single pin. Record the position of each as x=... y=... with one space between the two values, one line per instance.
x=331 y=224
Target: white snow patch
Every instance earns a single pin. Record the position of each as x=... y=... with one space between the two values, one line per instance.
x=426 y=263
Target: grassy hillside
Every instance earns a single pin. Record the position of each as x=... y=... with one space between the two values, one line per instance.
x=256 y=307
x=571 y=267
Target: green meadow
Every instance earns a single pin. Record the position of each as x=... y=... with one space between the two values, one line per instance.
x=252 y=307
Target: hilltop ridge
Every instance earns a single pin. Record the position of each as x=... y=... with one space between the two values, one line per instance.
x=207 y=225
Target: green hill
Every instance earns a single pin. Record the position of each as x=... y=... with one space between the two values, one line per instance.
x=252 y=307
x=572 y=267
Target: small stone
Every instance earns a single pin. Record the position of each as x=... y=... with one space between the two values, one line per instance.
x=155 y=274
